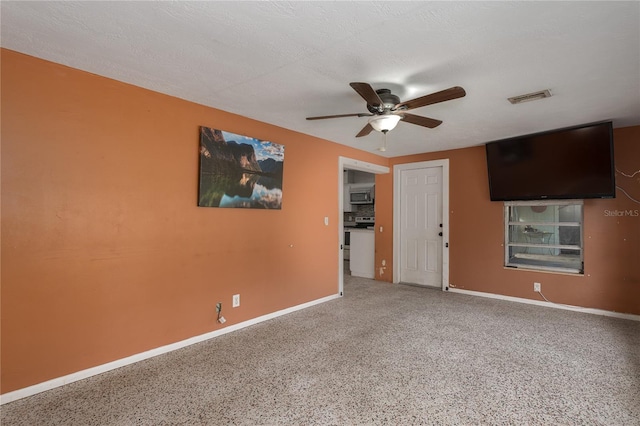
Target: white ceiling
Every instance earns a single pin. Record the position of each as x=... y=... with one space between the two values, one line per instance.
x=280 y=62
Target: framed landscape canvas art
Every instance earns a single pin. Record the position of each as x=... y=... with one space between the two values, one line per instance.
x=239 y=171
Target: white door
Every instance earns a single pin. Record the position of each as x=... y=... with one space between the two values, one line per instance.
x=421 y=226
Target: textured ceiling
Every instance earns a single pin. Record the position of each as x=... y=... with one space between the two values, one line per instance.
x=280 y=62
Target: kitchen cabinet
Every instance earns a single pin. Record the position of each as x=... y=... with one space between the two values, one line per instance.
x=356 y=176
x=347 y=207
x=362 y=253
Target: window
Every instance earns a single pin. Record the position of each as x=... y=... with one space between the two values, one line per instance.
x=545 y=235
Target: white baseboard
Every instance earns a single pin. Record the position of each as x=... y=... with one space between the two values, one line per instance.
x=79 y=375
x=547 y=304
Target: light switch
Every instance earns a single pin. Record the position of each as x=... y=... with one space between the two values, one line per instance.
x=326 y=220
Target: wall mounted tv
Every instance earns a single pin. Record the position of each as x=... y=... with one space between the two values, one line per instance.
x=570 y=163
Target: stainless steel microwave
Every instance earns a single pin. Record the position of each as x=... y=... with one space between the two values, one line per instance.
x=361 y=195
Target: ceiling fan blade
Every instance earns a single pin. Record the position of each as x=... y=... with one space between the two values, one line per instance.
x=339 y=116
x=368 y=94
x=365 y=131
x=421 y=121
x=444 y=95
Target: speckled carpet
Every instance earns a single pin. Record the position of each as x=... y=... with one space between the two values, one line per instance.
x=382 y=355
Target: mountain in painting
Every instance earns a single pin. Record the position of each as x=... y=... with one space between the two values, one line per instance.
x=222 y=157
x=270 y=165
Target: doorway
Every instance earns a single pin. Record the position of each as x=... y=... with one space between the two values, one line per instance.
x=345 y=164
x=421 y=224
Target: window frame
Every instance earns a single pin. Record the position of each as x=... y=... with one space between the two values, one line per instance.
x=508 y=244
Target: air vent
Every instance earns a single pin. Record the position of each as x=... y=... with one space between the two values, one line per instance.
x=530 y=97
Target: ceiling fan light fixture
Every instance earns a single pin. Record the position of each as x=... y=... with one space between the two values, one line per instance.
x=384 y=123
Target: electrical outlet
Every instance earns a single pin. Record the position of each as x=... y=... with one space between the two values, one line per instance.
x=536 y=287
x=218 y=307
x=236 y=301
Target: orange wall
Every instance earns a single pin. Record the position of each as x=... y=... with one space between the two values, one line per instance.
x=105 y=254
x=104 y=251
x=611 y=249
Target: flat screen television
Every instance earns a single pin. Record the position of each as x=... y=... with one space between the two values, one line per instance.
x=570 y=163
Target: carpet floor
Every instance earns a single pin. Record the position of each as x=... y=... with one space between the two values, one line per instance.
x=381 y=355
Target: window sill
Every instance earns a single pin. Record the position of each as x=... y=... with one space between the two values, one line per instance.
x=547 y=270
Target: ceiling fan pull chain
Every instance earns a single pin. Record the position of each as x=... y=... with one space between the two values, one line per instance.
x=383 y=148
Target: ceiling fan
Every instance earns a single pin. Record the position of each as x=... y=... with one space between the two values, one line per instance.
x=386 y=110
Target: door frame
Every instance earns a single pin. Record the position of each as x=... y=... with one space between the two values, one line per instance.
x=345 y=163
x=397 y=192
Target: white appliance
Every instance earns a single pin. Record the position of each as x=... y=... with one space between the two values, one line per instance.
x=362 y=263
x=366 y=222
